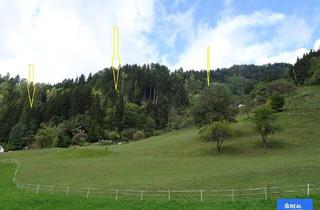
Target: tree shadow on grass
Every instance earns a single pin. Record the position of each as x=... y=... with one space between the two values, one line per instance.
x=275 y=144
x=250 y=148
x=225 y=150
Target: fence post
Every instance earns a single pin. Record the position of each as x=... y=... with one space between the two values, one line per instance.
x=308 y=189
x=232 y=195
x=201 y=196
x=169 y=196
x=117 y=191
x=88 y=192
x=51 y=190
x=38 y=189
x=141 y=195
x=265 y=193
x=67 y=191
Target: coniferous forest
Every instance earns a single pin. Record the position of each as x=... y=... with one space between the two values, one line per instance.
x=150 y=100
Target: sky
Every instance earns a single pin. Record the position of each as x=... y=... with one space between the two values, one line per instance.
x=67 y=38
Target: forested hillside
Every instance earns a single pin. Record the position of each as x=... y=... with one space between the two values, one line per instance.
x=307 y=69
x=150 y=99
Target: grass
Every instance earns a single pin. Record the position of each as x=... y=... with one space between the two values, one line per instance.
x=181 y=160
x=11 y=199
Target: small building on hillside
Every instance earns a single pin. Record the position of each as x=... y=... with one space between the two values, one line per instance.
x=1 y=149
x=80 y=129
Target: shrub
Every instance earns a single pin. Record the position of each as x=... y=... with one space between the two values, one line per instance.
x=64 y=140
x=46 y=136
x=138 y=135
x=16 y=140
x=127 y=134
x=280 y=86
x=114 y=136
x=277 y=102
x=157 y=132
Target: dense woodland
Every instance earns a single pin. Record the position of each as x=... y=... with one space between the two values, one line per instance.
x=150 y=100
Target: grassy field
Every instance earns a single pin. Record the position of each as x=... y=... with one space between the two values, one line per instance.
x=181 y=160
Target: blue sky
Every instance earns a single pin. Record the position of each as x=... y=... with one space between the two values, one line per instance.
x=66 y=38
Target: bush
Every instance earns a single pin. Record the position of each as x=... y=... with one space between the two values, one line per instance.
x=138 y=135
x=105 y=142
x=280 y=86
x=16 y=140
x=277 y=102
x=46 y=136
x=114 y=136
x=180 y=120
x=63 y=140
x=157 y=132
x=127 y=134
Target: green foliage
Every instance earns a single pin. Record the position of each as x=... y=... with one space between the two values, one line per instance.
x=47 y=136
x=179 y=156
x=259 y=93
x=127 y=134
x=277 y=102
x=314 y=72
x=264 y=121
x=138 y=135
x=214 y=104
x=133 y=116
x=305 y=70
x=16 y=137
x=157 y=132
x=280 y=87
x=147 y=96
x=180 y=119
x=240 y=85
x=216 y=132
x=114 y=136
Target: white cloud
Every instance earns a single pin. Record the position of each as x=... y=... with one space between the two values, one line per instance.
x=236 y=40
x=294 y=31
x=66 y=38
x=177 y=25
x=317 y=45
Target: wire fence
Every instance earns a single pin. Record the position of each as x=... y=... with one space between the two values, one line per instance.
x=201 y=195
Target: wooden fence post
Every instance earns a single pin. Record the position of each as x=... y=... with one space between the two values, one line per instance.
x=265 y=193
x=88 y=192
x=141 y=195
x=67 y=191
x=232 y=195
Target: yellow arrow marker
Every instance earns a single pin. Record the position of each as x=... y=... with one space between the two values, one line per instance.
x=29 y=85
x=208 y=65
x=115 y=56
